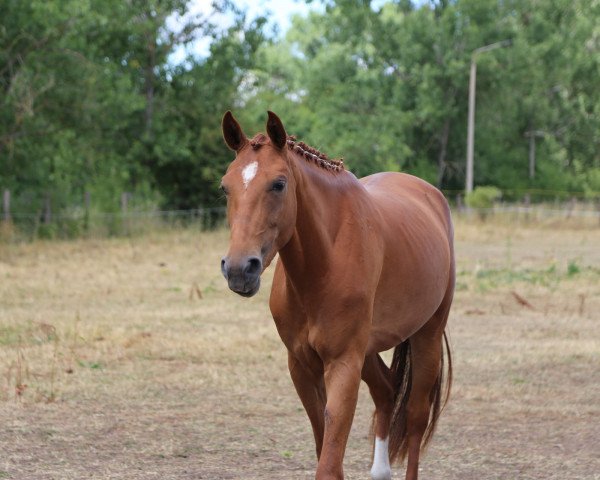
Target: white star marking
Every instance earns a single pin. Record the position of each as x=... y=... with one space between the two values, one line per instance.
x=249 y=172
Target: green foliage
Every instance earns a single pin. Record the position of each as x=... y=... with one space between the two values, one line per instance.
x=386 y=87
x=483 y=197
x=91 y=104
x=91 y=365
x=550 y=277
x=92 y=101
x=573 y=268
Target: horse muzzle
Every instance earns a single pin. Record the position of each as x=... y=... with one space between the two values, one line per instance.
x=243 y=274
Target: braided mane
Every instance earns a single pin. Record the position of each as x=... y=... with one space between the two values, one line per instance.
x=309 y=153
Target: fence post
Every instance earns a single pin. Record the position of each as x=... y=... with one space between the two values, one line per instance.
x=86 y=211
x=205 y=216
x=124 y=205
x=47 y=210
x=459 y=203
x=124 y=201
x=6 y=205
x=571 y=206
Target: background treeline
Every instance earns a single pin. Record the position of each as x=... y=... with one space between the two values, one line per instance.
x=92 y=104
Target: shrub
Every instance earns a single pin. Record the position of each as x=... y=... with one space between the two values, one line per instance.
x=483 y=197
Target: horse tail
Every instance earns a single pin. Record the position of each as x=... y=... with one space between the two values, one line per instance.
x=402 y=371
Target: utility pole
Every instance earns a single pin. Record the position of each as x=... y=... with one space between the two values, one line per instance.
x=471 y=120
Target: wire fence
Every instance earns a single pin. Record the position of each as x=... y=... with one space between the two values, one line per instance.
x=23 y=226
x=571 y=213
x=83 y=223
x=540 y=212
x=196 y=213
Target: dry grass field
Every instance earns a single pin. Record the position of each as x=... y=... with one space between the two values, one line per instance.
x=130 y=359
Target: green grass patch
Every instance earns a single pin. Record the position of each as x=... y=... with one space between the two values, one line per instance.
x=10 y=335
x=573 y=268
x=90 y=365
x=490 y=278
x=29 y=334
x=494 y=277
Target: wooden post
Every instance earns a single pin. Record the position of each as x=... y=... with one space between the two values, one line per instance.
x=571 y=206
x=6 y=205
x=47 y=210
x=459 y=203
x=86 y=211
x=124 y=205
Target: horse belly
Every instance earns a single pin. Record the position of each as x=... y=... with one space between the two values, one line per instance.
x=414 y=280
x=401 y=309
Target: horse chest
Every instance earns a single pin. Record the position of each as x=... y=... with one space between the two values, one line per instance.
x=295 y=333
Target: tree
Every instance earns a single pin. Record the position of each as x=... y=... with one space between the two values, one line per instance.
x=91 y=102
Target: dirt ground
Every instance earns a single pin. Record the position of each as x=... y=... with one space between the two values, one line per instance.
x=113 y=367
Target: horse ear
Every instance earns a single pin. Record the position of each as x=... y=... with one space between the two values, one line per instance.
x=276 y=131
x=232 y=132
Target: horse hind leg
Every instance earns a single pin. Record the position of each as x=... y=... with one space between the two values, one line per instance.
x=379 y=379
x=419 y=367
x=424 y=403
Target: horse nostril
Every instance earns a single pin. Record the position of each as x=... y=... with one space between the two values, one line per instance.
x=254 y=266
x=224 y=267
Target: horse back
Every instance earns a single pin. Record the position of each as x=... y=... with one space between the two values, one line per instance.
x=401 y=196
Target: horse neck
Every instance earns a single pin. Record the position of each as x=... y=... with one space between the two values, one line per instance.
x=320 y=196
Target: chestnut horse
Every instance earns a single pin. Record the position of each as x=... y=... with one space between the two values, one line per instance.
x=364 y=266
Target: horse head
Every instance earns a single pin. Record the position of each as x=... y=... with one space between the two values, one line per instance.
x=261 y=202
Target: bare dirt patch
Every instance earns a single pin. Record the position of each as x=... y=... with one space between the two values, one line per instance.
x=112 y=367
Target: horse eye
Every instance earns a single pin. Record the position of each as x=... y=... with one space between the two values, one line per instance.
x=278 y=186
x=224 y=189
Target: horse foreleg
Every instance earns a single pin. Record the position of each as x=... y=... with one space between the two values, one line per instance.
x=342 y=379
x=379 y=378
x=311 y=390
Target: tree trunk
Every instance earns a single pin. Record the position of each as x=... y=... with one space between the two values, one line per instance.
x=443 y=150
x=149 y=87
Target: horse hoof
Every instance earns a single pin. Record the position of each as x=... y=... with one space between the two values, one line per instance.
x=381 y=474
